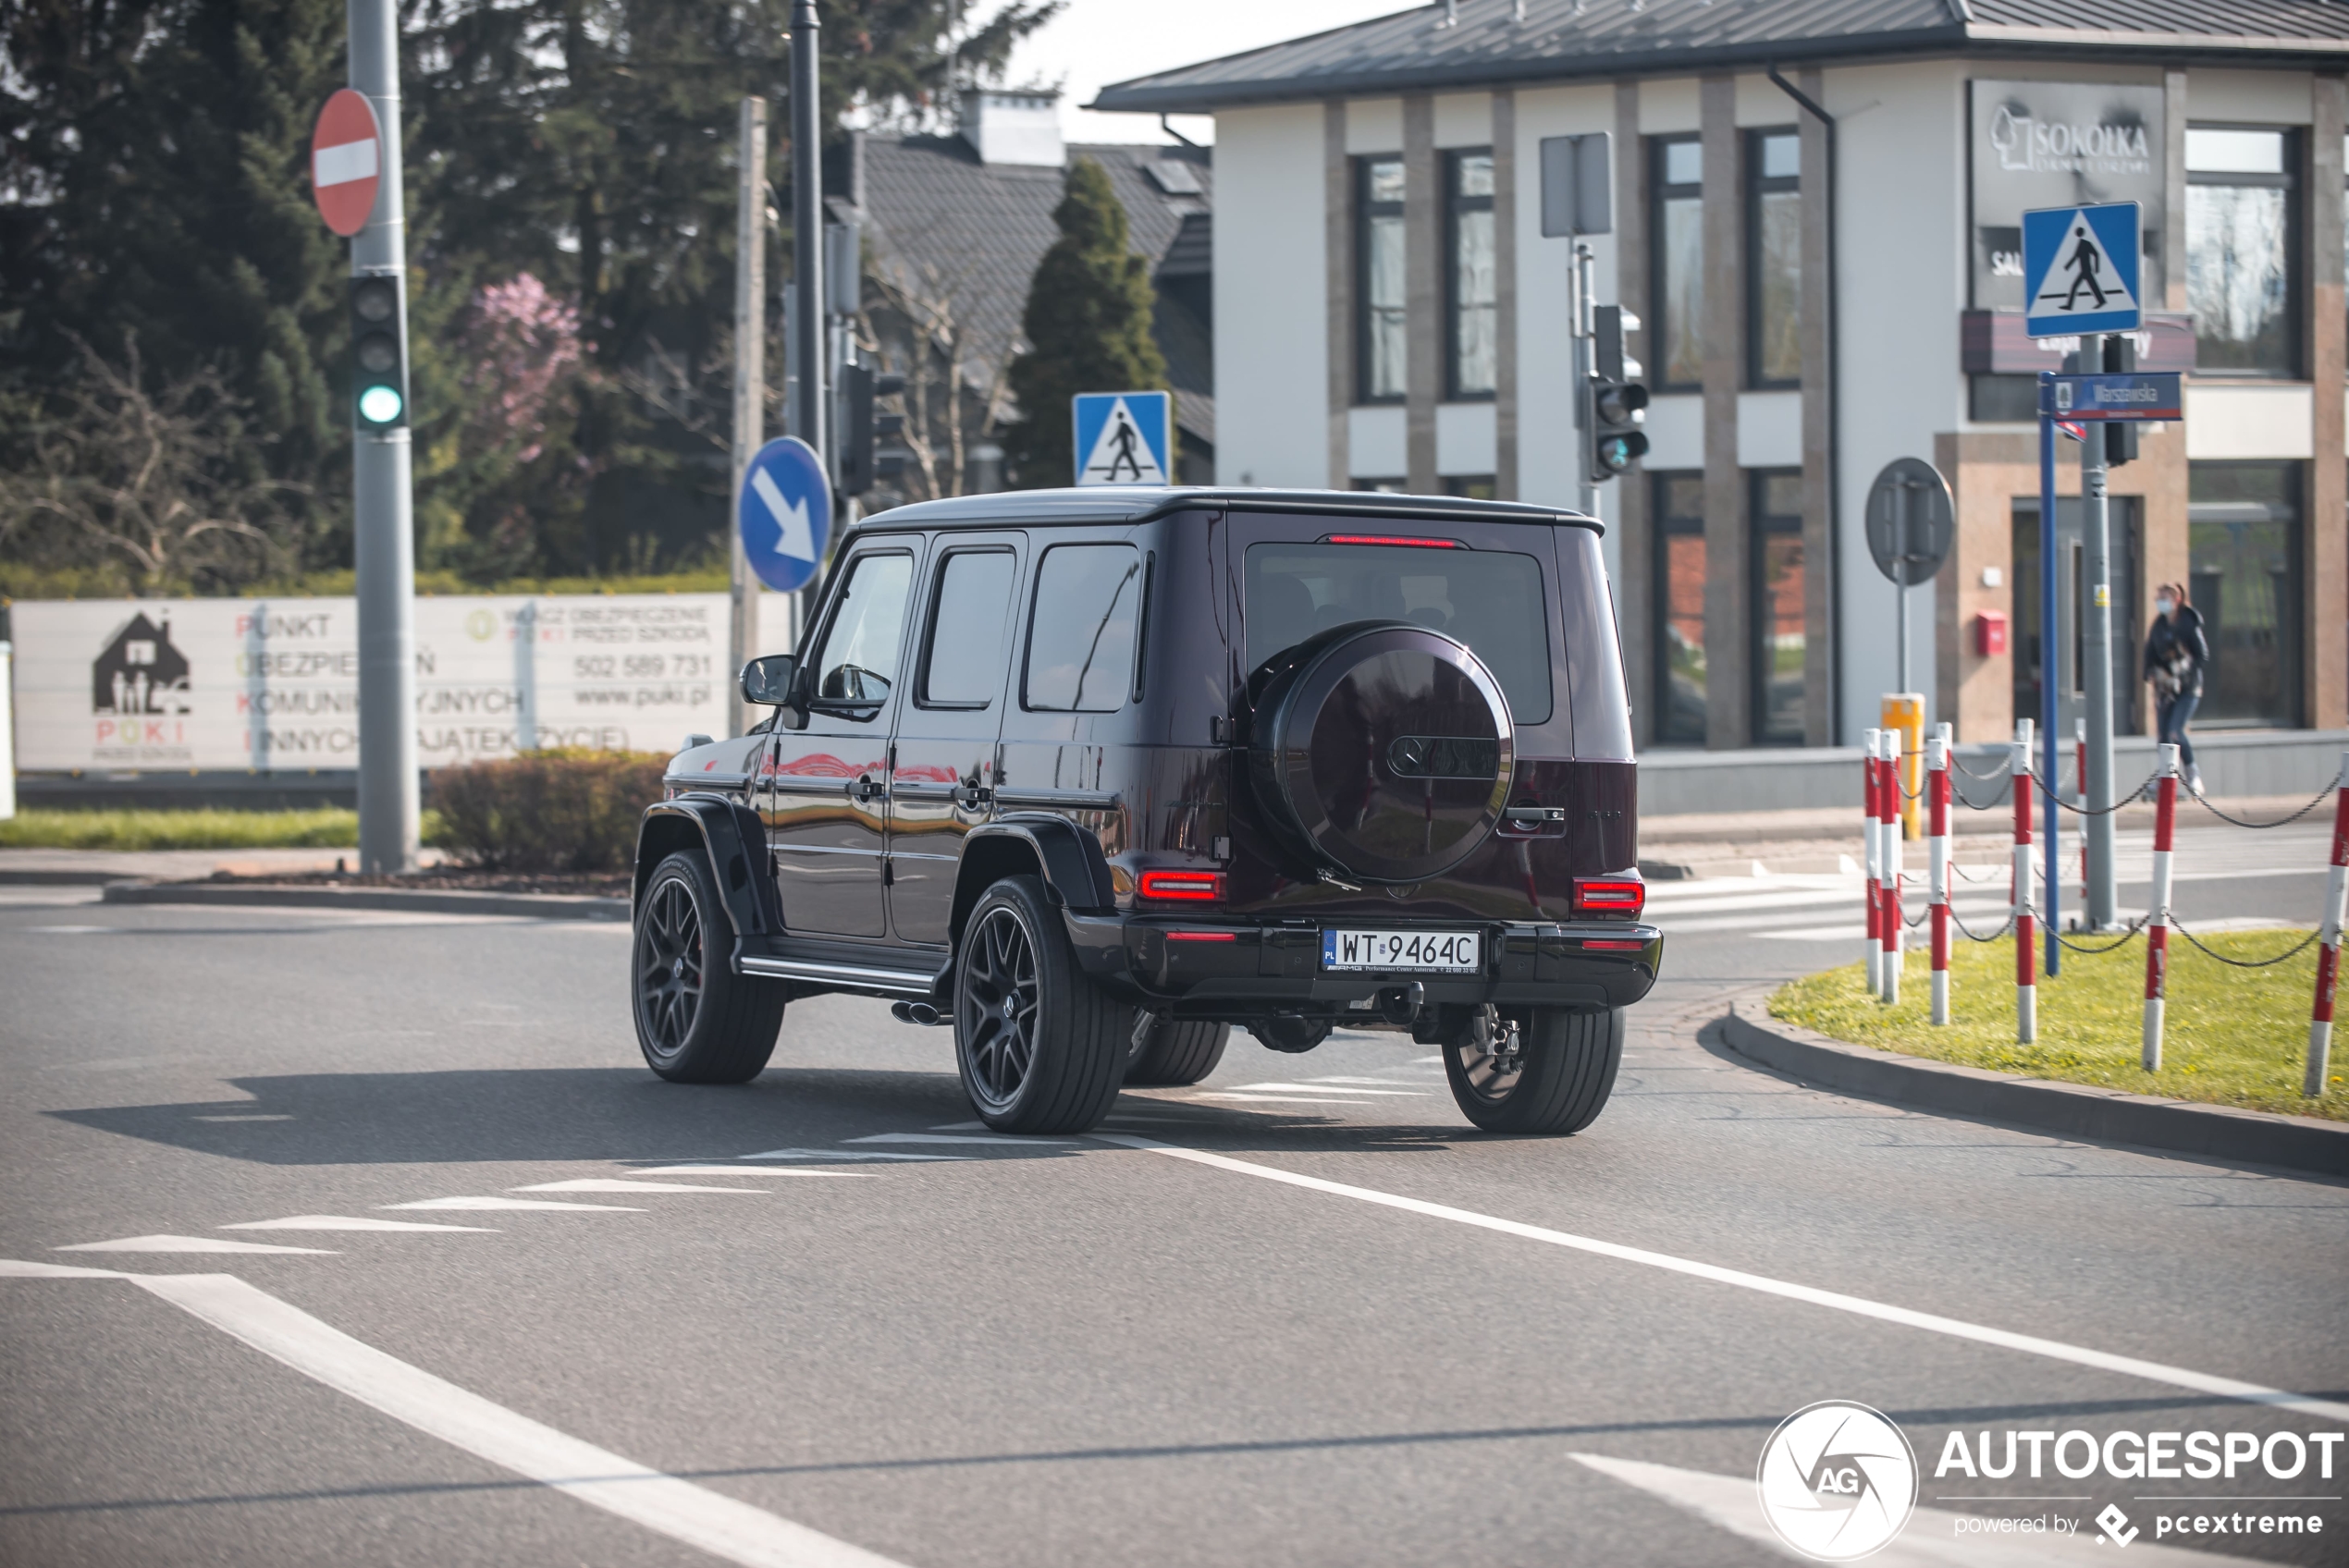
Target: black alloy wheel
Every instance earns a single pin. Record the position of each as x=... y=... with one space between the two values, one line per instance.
x=997 y=1006
x=697 y=1022
x=668 y=966
x=1040 y=1047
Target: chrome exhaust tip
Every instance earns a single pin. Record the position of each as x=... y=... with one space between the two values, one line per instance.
x=915 y=1012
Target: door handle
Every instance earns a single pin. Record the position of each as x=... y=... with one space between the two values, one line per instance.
x=869 y=789
x=973 y=795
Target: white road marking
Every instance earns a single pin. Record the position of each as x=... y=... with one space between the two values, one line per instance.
x=704 y=1519
x=1816 y=934
x=608 y=1184
x=1279 y=1099
x=187 y=1244
x=514 y=1203
x=1930 y=1539
x=241 y=1119
x=2031 y=1344
x=1403 y=1082
x=344 y=1222
x=960 y=1127
x=738 y=1170
x=861 y=1155
x=948 y=1138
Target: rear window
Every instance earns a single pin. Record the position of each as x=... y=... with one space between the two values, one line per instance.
x=1490 y=599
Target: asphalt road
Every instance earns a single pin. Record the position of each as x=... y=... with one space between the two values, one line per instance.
x=1361 y=1334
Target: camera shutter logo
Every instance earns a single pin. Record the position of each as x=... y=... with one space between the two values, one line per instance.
x=1837 y=1481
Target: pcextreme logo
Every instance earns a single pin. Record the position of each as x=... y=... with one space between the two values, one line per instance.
x=1838 y=1480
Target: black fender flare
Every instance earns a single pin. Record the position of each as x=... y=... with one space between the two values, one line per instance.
x=1069 y=859
x=736 y=840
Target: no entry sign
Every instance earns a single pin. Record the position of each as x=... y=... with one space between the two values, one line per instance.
x=346 y=161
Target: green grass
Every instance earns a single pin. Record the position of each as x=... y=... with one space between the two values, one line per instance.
x=2233 y=1036
x=329 y=828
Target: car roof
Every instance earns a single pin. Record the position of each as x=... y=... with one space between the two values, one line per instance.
x=1139 y=503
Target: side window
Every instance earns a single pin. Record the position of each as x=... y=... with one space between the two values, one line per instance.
x=1082 y=637
x=964 y=665
x=859 y=656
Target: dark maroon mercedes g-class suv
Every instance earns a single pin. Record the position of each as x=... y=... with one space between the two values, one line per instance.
x=1092 y=775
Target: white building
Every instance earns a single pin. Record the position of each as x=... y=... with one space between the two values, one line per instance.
x=1819 y=297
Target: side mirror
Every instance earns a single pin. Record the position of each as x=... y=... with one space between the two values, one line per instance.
x=768 y=680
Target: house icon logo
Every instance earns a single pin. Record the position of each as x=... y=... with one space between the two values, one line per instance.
x=140 y=672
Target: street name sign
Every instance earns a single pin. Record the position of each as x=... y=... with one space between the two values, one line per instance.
x=346 y=161
x=2150 y=395
x=1124 y=437
x=784 y=513
x=2081 y=264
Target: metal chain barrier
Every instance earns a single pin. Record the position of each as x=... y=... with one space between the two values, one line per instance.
x=2282 y=821
x=1959 y=796
x=2005 y=766
x=2136 y=929
x=2129 y=799
x=1996 y=873
x=2295 y=950
x=1993 y=936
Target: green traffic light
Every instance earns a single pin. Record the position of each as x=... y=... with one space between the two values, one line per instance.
x=380 y=405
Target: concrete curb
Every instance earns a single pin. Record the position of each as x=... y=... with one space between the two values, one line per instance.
x=2250 y=1137
x=418 y=900
x=60 y=877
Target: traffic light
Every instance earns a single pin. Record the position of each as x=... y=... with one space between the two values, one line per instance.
x=1615 y=405
x=379 y=361
x=861 y=425
x=2120 y=434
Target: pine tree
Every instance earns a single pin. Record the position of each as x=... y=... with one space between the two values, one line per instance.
x=1088 y=325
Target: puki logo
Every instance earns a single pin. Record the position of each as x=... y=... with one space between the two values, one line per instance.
x=2115 y=1524
x=1838 y=1480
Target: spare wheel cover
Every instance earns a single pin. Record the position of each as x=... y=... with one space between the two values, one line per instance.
x=1390 y=750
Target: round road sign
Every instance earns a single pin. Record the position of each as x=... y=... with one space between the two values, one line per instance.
x=346 y=161
x=1912 y=522
x=784 y=513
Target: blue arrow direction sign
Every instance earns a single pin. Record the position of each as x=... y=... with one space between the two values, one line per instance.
x=784 y=513
x=1122 y=437
x=2080 y=264
x=2136 y=395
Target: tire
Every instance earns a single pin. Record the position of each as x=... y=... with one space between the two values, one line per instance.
x=1175 y=1054
x=1041 y=1049
x=697 y=1022
x=1565 y=1069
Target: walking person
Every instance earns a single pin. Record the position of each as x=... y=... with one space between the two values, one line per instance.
x=2176 y=654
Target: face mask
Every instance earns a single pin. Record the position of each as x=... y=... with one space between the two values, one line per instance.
x=2165 y=605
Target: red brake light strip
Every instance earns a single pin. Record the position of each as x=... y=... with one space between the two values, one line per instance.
x=1392 y=539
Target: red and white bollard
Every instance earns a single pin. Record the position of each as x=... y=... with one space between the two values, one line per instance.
x=1889 y=829
x=2165 y=819
x=1937 y=828
x=2329 y=942
x=2026 y=939
x=2079 y=802
x=1872 y=848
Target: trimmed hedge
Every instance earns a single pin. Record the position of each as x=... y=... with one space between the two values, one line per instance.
x=556 y=810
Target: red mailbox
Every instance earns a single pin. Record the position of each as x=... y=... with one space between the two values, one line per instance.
x=1990 y=634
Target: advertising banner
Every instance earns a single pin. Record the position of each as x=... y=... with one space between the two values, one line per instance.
x=273 y=684
x=2057 y=144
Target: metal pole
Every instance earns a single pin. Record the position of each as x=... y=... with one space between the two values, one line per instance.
x=1587 y=497
x=2050 y=669
x=1900 y=499
x=2097 y=636
x=8 y=735
x=807 y=226
x=2164 y=821
x=750 y=393
x=383 y=542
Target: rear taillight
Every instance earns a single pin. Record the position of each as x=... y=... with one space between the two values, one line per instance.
x=1181 y=887
x=1406 y=540
x=1609 y=895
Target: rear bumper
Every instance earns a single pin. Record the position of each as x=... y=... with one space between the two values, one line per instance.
x=1201 y=968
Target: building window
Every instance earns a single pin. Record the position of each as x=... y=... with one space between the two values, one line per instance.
x=2240 y=280
x=1378 y=248
x=1396 y=486
x=1774 y=262
x=1680 y=609
x=1778 y=617
x=1472 y=311
x=1676 y=173
x=2243 y=564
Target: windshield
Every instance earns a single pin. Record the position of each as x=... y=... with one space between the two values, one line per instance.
x=1489 y=599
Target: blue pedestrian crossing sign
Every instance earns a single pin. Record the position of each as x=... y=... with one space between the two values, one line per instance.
x=1123 y=438
x=2081 y=266
x=784 y=513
